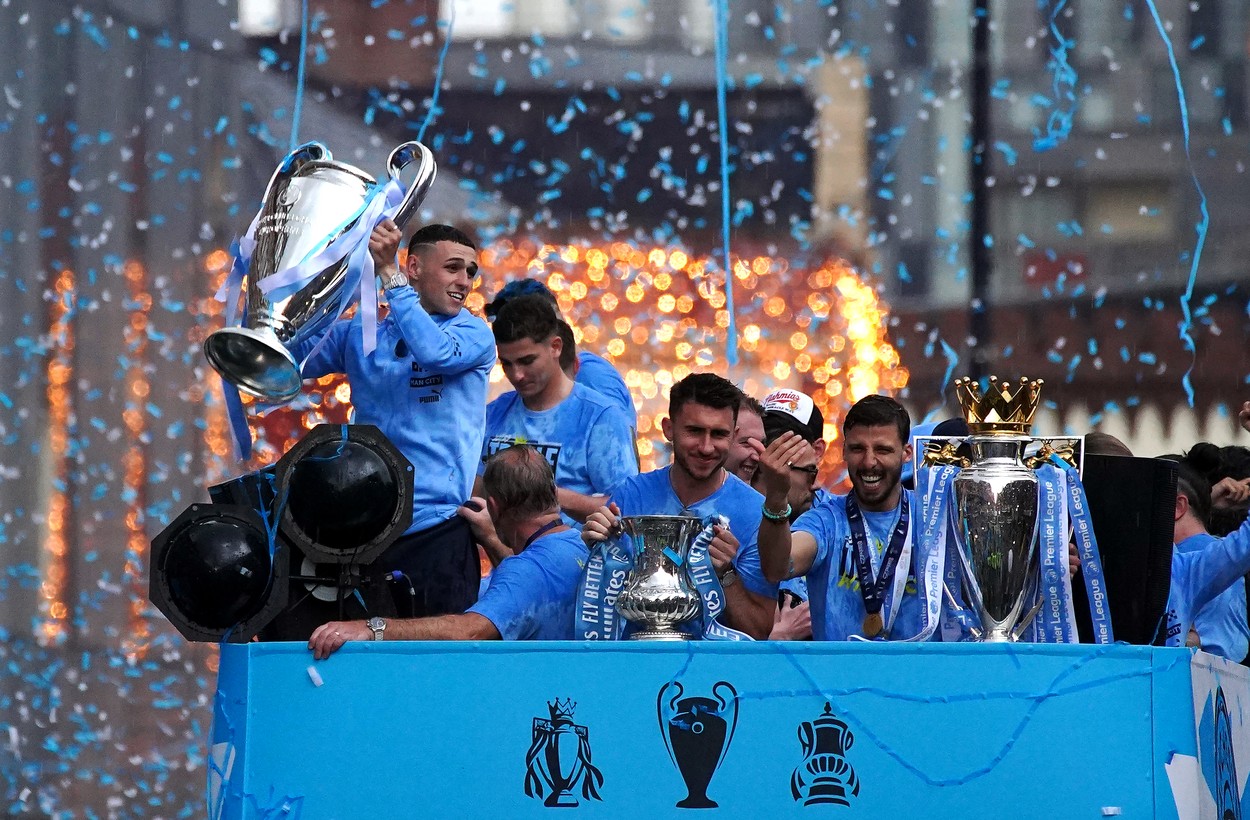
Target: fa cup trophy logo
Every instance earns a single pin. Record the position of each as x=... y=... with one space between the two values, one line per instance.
x=824 y=776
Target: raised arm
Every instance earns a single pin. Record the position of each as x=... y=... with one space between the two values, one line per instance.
x=783 y=554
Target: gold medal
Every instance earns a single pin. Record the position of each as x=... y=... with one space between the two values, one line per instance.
x=873 y=624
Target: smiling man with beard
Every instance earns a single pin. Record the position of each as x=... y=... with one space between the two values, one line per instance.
x=424 y=387
x=702 y=415
x=857 y=550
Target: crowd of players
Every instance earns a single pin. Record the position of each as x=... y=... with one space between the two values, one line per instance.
x=538 y=477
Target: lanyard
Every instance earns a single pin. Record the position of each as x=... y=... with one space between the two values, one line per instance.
x=872 y=589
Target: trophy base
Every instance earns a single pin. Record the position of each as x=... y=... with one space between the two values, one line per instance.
x=659 y=635
x=255 y=362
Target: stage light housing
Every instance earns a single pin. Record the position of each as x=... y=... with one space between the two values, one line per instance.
x=345 y=494
x=215 y=574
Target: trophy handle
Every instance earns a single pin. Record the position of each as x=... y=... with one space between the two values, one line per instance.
x=403 y=156
x=664 y=712
x=292 y=162
x=730 y=703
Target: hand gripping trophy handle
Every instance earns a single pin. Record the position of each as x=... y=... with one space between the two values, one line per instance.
x=310 y=225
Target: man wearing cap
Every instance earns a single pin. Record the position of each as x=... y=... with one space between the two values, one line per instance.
x=788 y=410
x=531 y=594
x=586 y=368
x=585 y=438
x=424 y=386
x=857 y=550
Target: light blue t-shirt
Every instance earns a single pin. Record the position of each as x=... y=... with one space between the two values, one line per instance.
x=587 y=441
x=424 y=387
x=1200 y=576
x=832 y=582
x=652 y=494
x=531 y=594
x=599 y=375
x=1221 y=624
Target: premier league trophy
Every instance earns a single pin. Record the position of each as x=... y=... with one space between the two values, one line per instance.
x=658 y=595
x=996 y=510
x=310 y=202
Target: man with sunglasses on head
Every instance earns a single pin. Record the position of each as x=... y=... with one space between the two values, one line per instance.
x=424 y=387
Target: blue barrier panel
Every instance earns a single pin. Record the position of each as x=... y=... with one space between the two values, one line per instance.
x=635 y=730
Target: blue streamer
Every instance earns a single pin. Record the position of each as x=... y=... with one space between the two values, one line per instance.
x=299 y=76
x=722 y=119
x=1059 y=123
x=438 y=74
x=1186 y=339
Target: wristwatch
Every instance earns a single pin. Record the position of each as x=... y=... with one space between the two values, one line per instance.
x=395 y=280
x=378 y=625
x=729 y=578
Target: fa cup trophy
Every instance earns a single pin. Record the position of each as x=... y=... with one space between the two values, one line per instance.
x=311 y=201
x=995 y=510
x=658 y=595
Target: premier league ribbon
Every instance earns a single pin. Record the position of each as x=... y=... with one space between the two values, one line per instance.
x=1054 y=623
x=873 y=589
x=932 y=488
x=1091 y=561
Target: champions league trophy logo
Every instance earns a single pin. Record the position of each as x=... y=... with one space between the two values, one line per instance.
x=658 y=594
x=697 y=732
x=824 y=776
x=311 y=202
x=560 y=757
x=996 y=505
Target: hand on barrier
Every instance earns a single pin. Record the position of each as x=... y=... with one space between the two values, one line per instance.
x=327 y=638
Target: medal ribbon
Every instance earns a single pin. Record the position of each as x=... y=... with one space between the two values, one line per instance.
x=873 y=589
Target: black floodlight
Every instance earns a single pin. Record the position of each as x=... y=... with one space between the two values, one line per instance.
x=345 y=494
x=214 y=575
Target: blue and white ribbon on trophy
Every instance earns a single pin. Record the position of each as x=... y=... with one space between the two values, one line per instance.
x=607 y=570
x=932 y=489
x=1061 y=499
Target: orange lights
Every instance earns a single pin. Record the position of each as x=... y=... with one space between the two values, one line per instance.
x=52 y=627
x=661 y=313
x=134 y=463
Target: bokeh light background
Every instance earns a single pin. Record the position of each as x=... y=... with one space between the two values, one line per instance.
x=580 y=139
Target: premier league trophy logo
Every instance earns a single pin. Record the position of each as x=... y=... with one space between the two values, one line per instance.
x=697 y=732
x=995 y=508
x=824 y=776
x=658 y=594
x=310 y=202
x=560 y=757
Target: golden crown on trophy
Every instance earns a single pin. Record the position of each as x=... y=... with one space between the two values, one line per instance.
x=1003 y=409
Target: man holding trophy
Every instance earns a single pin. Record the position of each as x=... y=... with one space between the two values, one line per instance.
x=424 y=386
x=859 y=552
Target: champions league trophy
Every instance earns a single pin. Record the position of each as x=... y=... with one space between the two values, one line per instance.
x=697 y=732
x=658 y=594
x=311 y=201
x=995 y=507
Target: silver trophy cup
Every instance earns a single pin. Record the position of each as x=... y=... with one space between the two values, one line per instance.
x=309 y=202
x=995 y=515
x=658 y=594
